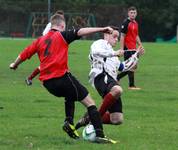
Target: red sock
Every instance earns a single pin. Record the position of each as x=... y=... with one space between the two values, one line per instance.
x=34 y=73
x=106 y=118
x=107 y=103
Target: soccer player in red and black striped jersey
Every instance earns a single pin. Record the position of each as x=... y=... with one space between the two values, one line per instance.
x=36 y=71
x=52 y=50
x=128 y=42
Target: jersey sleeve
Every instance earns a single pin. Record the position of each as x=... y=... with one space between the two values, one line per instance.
x=70 y=35
x=124 y=26
x=99 y=48
x=128 y=64
x=29 y=51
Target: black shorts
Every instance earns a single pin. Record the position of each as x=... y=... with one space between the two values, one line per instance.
x=104 y=88
x=66 y=86
x=128 y=54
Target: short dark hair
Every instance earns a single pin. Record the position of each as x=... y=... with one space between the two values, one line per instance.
x=56 y=19
x=132 y=8
x=59 y=12
x=115 y=28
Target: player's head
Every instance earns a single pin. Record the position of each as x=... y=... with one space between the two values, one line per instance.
x=57 y=22
x=113 y=37
x=132 y=12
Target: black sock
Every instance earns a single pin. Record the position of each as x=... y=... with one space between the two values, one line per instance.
x=131 y=78
x=95 y=119
x=121 y=75
x=69 y=111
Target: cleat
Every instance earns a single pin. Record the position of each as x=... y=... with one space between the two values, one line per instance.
x=28 y=82
x=134 y=88
x=70 y=130
x=83 y=121
x=104 y=140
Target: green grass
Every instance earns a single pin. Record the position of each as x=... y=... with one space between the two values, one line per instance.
x=31 y=118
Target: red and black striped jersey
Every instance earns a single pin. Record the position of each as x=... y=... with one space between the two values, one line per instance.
x=130 y=29
x=52 y=50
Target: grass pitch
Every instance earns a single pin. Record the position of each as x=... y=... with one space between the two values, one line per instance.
x=31 y=118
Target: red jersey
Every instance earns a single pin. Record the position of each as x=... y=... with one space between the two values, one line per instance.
x=52 y=50
x=130 y=29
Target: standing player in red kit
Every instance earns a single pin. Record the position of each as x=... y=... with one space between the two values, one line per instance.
x=52 y=50
x=128 y=42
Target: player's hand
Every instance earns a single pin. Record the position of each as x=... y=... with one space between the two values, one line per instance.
x=120 y=52
x=108 y=30
x=13 y=66
x=141 y=50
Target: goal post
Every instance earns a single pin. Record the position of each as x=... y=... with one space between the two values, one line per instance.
x=38 y=20
x=36 y=24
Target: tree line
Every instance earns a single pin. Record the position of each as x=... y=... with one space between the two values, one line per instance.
x=157 y=18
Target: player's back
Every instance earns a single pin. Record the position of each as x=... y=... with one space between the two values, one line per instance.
x=53 y=55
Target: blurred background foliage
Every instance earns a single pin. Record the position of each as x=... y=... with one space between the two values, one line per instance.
x=157 y=18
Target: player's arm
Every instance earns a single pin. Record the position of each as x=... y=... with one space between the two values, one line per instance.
x=99 y=48
x=124 y=29
x=131 y=63
x=128 y=64
x=104 y=53
x=75 y=34
x=139 y=41
x=87 y=31
x=15 y=64
x=25 y=54
x=122 y=38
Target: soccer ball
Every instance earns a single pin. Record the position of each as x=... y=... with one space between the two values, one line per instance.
x=89 y=133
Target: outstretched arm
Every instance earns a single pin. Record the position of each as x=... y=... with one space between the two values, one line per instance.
x=131 y=63
x=86 y=31
x=99 y=48
x=25 y=54
x=104 y=54
x=15 y=64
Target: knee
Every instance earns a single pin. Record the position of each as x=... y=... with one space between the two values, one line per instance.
x=117 y=119
x=116 y=91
